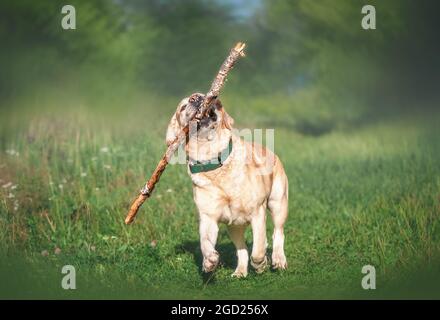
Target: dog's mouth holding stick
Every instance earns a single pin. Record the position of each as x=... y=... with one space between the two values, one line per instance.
x=200 y=111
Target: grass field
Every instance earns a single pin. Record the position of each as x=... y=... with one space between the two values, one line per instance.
x=361 y=192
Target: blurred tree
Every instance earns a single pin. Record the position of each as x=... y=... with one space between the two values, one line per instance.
x=315 y=50
x=38 y=50
x=180 y=43
x=320 y=45
x=189 y=41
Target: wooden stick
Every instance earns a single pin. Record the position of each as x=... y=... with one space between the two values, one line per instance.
x=213 y=93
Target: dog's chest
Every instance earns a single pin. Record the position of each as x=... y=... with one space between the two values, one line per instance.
x=200 y=181
x=230 y=197
x=237 y=211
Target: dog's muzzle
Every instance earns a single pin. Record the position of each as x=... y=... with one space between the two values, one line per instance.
x=195 y=101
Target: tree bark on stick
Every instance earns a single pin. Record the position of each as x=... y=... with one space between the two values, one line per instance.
x=213 y=93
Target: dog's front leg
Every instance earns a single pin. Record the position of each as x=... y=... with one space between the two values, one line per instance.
x=258 y=257
x=237 y=236
x=208 y=238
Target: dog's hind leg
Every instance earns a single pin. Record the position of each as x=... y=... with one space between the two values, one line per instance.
x=278 y=206
x=237 y=236
x=208 y=237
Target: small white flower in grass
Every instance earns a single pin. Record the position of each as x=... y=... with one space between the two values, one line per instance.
x=169 y=190
x=16 y=206
x=83 y=174
x=51 y=183
x=107 y=167
x=104 y=149
x=60 y=186
x=14 y=187
x=106 y=238
x=57 y=251
x=64 y=181
x=97 y=189
x=44 y=253
x=12 y=152
x=11 y=195
x=153 y=243
x=7 y=185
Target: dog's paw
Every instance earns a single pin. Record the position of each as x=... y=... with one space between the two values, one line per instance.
x=240 y=272
x=261 y=266
x=211 y=262
x=279 y=261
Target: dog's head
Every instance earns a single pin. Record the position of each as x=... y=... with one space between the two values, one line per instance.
x=216 y=119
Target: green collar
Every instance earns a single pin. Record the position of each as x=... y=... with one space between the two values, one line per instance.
x=196 y=166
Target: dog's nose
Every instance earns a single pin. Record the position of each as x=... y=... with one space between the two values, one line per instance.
x=196 y=99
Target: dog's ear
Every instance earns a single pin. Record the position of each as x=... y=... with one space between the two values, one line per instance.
x=172 y=131
x=227 y=120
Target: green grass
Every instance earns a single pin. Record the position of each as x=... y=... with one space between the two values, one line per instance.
x=360 y=193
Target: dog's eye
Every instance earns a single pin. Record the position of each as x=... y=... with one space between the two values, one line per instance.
x=213 y=115
x=183 y=108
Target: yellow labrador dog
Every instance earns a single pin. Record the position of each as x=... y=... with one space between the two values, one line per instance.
x=234 y=181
